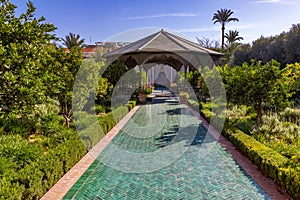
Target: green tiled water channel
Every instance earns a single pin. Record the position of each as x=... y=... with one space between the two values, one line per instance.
x=164 y=152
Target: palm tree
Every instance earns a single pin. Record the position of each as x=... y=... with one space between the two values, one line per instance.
x=232 y=37
x=223 y=16
x=73 y=40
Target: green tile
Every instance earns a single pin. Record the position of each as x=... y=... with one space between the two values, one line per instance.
x=192 y=176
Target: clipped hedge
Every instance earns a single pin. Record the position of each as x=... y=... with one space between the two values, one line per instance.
x=91 y=135
x=36 y=178
x=268 y=160
x=194 y=104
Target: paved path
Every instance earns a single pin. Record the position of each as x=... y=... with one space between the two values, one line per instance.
x=164 y=152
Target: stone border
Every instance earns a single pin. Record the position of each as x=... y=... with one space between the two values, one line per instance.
x=60 y=189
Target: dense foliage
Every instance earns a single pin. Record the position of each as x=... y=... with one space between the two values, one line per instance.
x=41 y=87
x=284 y=48
x=73 y=40
x=273 y=145
x=262 y=117
x=24 y=44
x=257 y=84
x=29 y=166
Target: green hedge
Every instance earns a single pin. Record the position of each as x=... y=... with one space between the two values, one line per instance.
x=29 y=169
x=194 y=104
x=91 y=135
x=268 y=160
x=36 y=178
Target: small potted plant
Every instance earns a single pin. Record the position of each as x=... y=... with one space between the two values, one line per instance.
x=183 y=97
x=142 y=95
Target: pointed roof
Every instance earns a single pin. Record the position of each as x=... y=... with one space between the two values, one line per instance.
x=165 y=48
x=159 y=42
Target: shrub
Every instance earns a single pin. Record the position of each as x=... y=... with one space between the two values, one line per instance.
x=83 y=120
x=284 y=171
x=194 y=104
x=38 y=176
x=291 y=115
x=133 y=102
x=91 y=135
x=52 y=124
x=18 y=150
x=271 y=162
x=129 y=106
x=148 y=90
x=13 y=124
x=99 y=109
x=91 y=131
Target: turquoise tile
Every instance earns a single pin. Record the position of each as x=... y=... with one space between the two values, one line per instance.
x=153 y=129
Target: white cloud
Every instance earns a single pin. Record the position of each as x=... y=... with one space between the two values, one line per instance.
x=162 y=15
x=283 y=2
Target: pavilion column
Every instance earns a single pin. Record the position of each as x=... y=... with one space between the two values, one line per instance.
x=140 y=75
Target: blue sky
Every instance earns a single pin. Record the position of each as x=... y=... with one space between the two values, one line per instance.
x=101 y=20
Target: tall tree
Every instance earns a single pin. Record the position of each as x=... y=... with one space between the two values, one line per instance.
x=241 y=54
x=64 y=71
x=292 y=44
x=223 y=17
x=256 y=84
x=24 y=44
x=73 y=40
x=232 y=37
x=259 y=50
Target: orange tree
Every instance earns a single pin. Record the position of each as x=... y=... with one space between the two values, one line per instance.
x=256 y=84
x=24 y=43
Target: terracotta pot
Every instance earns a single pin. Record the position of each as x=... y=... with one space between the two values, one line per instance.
x=142 y=98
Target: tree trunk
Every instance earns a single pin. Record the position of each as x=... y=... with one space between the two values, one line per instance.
x=223 y=33
x=258 y=112
x=67 y=115
x=67 y=120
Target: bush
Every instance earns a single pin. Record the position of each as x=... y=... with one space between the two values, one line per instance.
x=83 y=120
x=15 y=125
x=52 y=124
x=99 y=109
x=271 y=162
x=18 y=150
x=194 y=104
x=129 y=106
x=285 y=172
x=291 y=115
x=36 y=177
x=89 y=130
x=133 y=102
x=148 y=90
x=283 y=137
